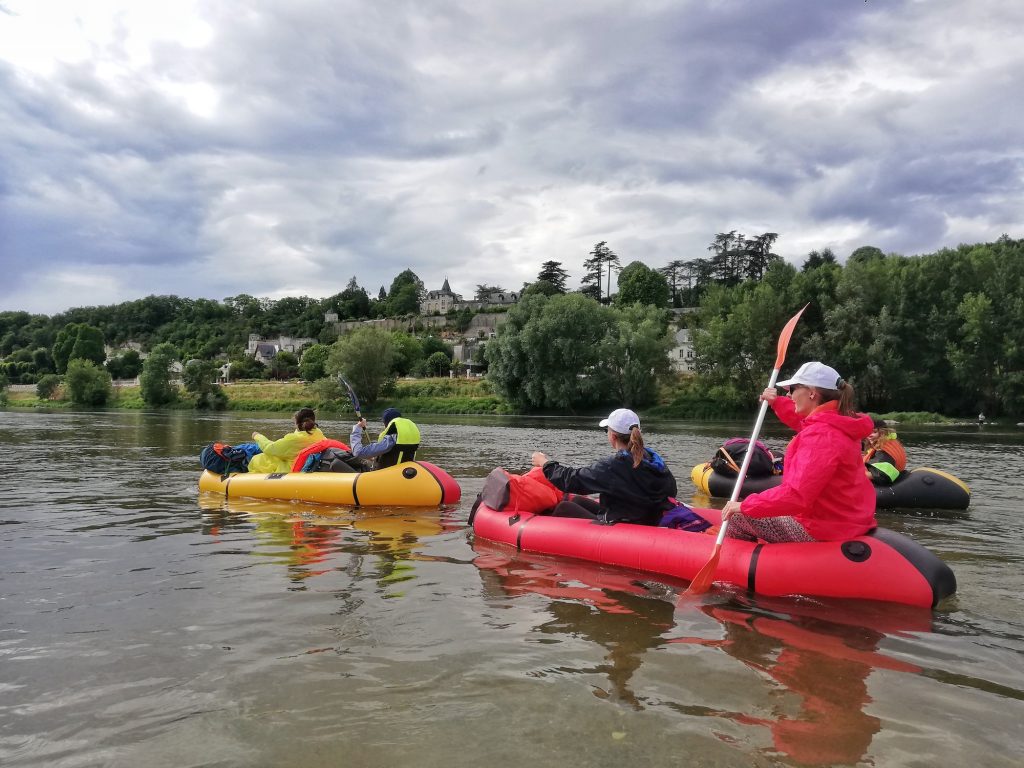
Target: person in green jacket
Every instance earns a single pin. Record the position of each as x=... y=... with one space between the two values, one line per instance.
x=278 y=455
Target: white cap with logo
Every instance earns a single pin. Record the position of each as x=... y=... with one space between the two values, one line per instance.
x=621 y=420
x=814 y=375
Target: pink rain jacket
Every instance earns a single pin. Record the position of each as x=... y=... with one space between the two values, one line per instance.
x=824 y=485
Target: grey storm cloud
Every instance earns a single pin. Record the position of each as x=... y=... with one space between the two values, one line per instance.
x=218 y=148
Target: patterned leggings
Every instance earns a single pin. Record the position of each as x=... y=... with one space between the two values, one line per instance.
x=774 y=530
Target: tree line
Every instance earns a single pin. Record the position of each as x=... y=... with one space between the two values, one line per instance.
x=942 y=332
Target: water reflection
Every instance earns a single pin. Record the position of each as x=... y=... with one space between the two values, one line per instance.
x=814 y=658
x=823 y=663
x=619 y=615
x=309 y=540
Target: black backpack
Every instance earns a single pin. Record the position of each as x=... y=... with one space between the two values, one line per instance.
x=729 y=458
x=224 y=459
x=337 y=460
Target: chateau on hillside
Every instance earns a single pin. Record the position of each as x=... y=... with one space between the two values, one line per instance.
x=440 y=302
x=445 y=300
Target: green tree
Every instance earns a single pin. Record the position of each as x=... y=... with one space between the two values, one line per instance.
x=200 y=380
x=758 y=255
x=438 y=364
x=87 y=383
x=674 y=273
x=330 y=393
x=352 y=303
x=246 y=367
x=546 y=354
x=364 y=357
x=816 y=259
x=638 y=283
x=43 y=360
x=47 y=386
x=126 y=366
x=551 y=272
x=155 y=380
x=975 y=354
x=284 y=365
x=78 y=341
x=634 y=352
x=542 y=287
x=432 y=344
x=864 y=254
x=727 y=257
x=407 y=353
x=313 y=363
x=407 y=290
x=603 y=261
x=4 y=383
x=735 y=341
x=483 y=291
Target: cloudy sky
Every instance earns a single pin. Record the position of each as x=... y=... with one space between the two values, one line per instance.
x=218 y=147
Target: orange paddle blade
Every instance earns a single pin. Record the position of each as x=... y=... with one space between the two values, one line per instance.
x=787 y=333
x=705 y=577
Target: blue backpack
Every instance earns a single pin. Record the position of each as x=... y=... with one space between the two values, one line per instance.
x=224 y=459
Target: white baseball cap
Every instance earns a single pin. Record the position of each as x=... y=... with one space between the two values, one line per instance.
x=814 y=375
x=621 y=420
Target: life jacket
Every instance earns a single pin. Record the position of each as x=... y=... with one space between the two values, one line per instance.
x=317 y=447
x=886 y=462
x=407 y=436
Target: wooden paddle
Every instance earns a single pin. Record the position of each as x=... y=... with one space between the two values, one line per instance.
x=702 y=581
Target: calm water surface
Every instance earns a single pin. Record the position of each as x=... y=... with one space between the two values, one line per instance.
x=142 y=625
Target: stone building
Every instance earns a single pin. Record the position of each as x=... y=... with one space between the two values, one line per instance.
x=440 y=302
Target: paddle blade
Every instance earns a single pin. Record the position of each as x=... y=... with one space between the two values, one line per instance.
x=705 y=577
x=784 y=337
x=351 y=395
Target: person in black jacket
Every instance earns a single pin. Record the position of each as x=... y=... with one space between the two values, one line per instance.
x=634 y=484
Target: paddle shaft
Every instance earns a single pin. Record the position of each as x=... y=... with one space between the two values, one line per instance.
x=352 y=397
x=738 y=487
x=702 y=581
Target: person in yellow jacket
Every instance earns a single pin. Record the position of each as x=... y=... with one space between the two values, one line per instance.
x=278 y=455
x=397 y=443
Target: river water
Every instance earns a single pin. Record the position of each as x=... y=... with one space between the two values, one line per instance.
x=143 y=625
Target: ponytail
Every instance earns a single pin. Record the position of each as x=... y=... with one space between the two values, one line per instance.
x=844 y=394
x=634 y=443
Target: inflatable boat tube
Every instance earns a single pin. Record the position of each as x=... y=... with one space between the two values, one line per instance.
x=883 y=565
x=410 y=484
x=921 y=488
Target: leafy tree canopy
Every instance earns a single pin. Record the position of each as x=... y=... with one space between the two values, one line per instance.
x=87 y=383
x=155 y=380
x=639 y=284
x=364 y=357
x=552 y=272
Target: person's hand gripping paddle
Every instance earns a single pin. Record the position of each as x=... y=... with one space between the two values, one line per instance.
x=702 y=581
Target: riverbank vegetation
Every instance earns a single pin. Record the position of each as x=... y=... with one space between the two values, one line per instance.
x=938 y=333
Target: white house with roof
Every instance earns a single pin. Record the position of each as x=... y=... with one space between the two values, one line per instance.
x=265 y=349
x=682 y=356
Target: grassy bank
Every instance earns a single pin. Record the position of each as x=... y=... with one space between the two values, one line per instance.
x=685 y=399
x=452 y=396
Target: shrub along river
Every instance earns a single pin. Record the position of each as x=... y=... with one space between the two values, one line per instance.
x=142 y=625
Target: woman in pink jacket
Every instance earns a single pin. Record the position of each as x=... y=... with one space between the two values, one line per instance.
x=825 y=494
